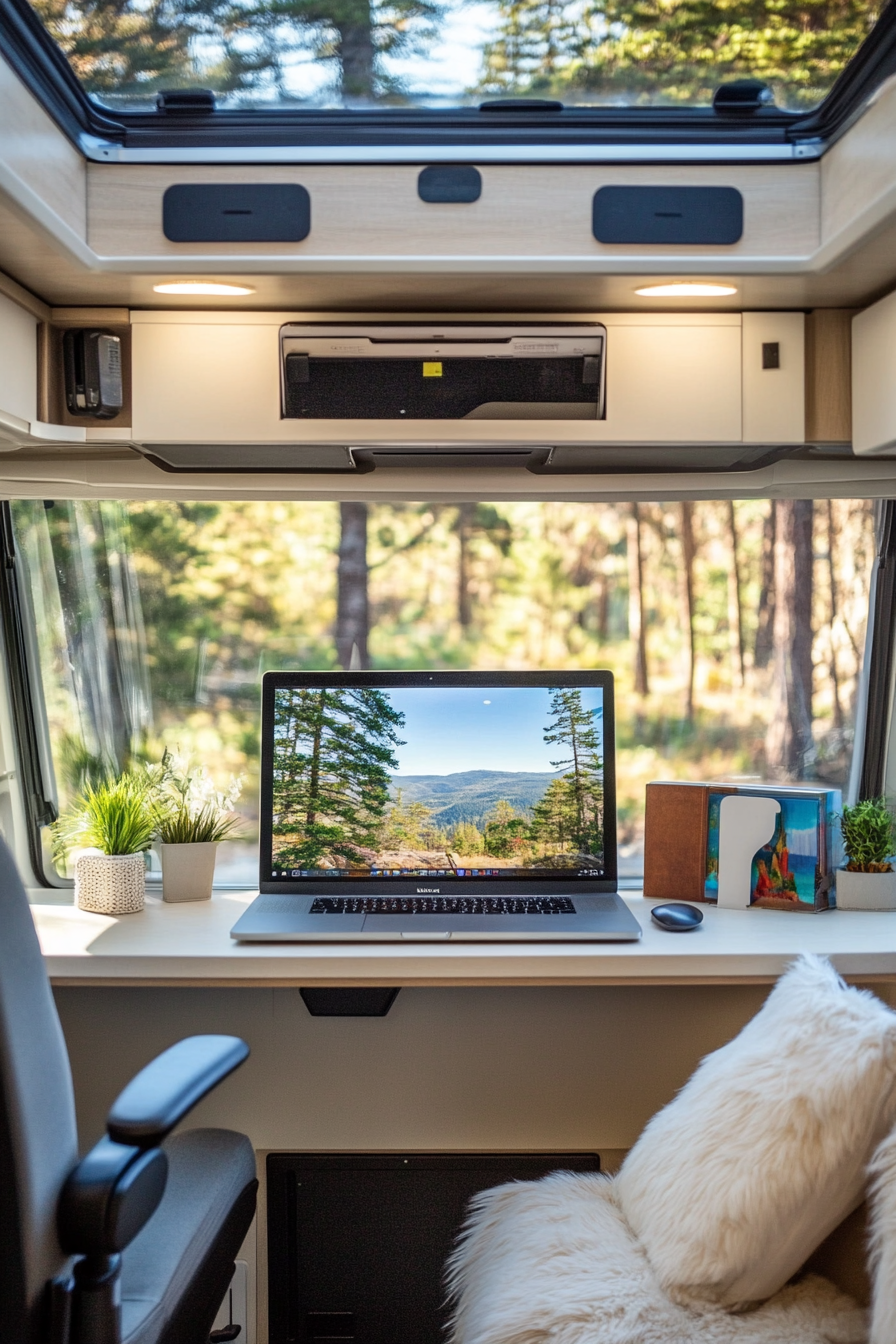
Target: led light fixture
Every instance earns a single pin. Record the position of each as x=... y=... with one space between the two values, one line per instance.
x=685 y=290
x=201 y=287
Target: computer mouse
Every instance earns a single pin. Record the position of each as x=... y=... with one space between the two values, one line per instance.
x=677 y=917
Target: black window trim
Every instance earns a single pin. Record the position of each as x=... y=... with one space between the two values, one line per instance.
x=40 y=810
x=43 y=68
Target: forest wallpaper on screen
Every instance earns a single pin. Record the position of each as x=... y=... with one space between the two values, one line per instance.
x=341 y=800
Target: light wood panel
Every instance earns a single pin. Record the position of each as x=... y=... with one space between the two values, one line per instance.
x=858 y=174
x=828 y=375
x=525 y=211
x=18 y=361
x=33 y=147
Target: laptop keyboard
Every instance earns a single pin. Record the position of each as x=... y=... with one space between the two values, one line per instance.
x=443 y=905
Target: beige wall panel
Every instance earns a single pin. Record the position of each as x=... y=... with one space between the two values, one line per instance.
x=874 y=378
x=858 y=174
x=676 y=381
x=530 y=210
x=34 y=148
x=774 y=399
x=18 y=361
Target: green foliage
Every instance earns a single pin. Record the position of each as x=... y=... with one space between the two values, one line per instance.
x=333 y=753
x=555 y=816
x=673 y=51
x=869 y=836
x=572 y=726
x=406 y=825
x=467 y=839
x=114 y=816
x=506 y=832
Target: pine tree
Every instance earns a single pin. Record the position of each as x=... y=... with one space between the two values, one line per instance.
x=467 y=839
x=572 y=726
x=555 y=815
x=334 y=750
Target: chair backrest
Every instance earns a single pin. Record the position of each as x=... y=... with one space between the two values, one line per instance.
x=38 y=1134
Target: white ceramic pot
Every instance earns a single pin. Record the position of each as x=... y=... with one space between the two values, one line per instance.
x=865 y=891
x=110 y=884
x=188 y=871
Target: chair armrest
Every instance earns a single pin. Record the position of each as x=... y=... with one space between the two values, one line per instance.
x=162 y=1093
x=109 y=1196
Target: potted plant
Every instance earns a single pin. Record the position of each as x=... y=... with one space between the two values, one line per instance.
x=868 y=881
x=191 y=819
x=111 y=824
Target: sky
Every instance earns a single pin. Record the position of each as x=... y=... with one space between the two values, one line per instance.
x=449 y=729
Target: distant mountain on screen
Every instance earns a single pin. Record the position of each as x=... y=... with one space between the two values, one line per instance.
x=471 y=794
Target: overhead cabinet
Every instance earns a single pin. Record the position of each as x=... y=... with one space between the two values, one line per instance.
x=210 y=378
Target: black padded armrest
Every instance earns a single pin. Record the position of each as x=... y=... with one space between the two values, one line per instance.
x=162 y=1093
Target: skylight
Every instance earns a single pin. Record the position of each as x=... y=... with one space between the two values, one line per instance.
x=361 y=54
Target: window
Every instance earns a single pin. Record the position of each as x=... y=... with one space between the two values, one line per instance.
x=444 y=53
x=735 y=631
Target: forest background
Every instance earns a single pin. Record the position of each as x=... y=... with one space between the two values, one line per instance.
x=358 y=53
x=735 y=630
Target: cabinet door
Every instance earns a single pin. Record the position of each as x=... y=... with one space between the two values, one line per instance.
x=673 y=384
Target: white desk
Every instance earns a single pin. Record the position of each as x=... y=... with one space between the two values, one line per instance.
x=190 y=945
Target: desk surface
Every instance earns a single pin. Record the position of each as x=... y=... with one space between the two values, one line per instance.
x=191 y=945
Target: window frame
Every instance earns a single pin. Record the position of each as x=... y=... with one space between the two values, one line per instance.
x=668 y=133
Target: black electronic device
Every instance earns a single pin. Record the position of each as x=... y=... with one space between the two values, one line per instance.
x=444 y=371
x=675 y=216
x=357 y=1244
x=92 y=366
x=676 y=917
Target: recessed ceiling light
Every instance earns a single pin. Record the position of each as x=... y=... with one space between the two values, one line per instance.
x=201 y=287
x=685 y=290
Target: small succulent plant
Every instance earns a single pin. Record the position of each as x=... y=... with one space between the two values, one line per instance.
x=869 y=836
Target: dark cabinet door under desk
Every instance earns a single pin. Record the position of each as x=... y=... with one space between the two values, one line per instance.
x=357 y=1244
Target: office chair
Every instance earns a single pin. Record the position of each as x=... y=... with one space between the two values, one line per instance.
x=135 y=1243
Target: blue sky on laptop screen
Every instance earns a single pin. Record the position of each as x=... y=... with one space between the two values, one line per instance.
x=461 y=781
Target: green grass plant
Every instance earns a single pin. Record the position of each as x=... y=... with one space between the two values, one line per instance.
x=869 y=836
x=114 y=816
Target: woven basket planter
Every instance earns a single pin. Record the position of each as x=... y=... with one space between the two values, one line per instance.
x=188 y=871
x=110 y=884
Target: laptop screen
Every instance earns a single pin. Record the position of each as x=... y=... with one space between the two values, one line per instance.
x=368 y=783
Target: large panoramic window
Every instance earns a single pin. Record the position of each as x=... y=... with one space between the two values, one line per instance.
x=444 y=53
x=735 y=631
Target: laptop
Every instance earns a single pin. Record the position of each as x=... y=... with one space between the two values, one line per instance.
x=436 y=806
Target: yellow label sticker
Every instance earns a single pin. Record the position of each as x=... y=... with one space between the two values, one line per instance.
x=432 y=368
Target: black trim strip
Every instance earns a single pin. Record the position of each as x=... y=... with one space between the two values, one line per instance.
x=40 y=811
x=880 y=661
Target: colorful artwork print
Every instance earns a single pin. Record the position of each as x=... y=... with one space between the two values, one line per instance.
x=793 y=868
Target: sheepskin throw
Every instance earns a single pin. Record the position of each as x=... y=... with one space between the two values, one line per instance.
x=554 y=1262
x=763 y=1152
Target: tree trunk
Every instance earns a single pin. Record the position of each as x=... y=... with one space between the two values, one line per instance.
x=352 y=608
x=357 y=54
x=789 y=741
x=735 y=602
x=688 y=551
x=637 y=627
x=762 y=647
x=465 y=513
x=832 y=580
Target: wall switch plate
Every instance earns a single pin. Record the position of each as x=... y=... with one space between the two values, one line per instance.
x=232 y=1320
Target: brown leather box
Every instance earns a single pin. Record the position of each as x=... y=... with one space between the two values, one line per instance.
x=675 y=835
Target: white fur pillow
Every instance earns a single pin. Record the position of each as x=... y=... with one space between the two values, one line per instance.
x=733 y=1185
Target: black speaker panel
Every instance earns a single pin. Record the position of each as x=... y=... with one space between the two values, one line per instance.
x=268 y=212
x=710 y=216
x=449 y=184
